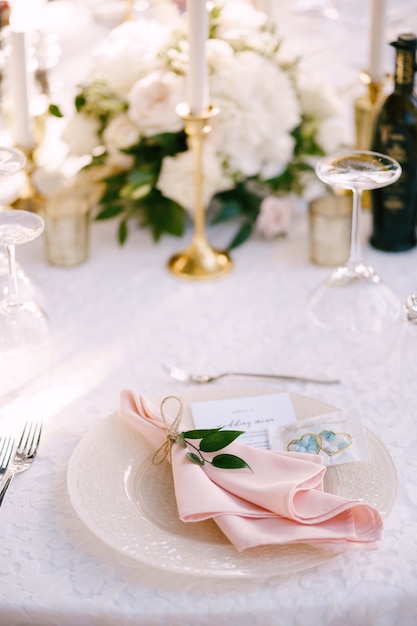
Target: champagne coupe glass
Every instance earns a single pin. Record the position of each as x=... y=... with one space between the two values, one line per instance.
x=24 y=328
x=358 y=315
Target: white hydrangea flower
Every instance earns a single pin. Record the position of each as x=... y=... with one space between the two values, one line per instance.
x=319 y=100
x=258 y=110
x=81 y=134
x=129 y=53
x=177 y=178
x=331 y=135
x=153 y=101
x=239 y=21
x=219 y=54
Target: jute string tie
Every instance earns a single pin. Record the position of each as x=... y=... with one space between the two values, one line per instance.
x=172 y=432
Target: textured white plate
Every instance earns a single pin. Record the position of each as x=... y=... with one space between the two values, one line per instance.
x=129 y=503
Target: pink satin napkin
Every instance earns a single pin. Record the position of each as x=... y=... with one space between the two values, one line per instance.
x=280 y=501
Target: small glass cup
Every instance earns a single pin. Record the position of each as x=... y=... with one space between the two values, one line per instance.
x=67 y=220
x=330 y=229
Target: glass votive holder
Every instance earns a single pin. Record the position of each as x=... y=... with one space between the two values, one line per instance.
x=330 y=220
x=67 y=221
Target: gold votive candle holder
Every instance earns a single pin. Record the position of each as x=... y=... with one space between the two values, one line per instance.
x=330 y=222
x=366 y=107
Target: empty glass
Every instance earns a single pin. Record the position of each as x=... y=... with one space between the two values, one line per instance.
x=357 y=314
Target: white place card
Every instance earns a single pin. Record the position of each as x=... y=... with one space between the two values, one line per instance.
x=253 y=415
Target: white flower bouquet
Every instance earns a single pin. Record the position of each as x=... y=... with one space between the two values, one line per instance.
x=259 y=153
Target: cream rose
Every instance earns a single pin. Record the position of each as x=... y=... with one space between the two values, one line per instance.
x=153 y=101
x=120 y=133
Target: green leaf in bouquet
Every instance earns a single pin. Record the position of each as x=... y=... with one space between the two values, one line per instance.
x=242 y=235
x=110 y=195
x=55 y=110
x=162 y=215
x=142 y=177
x=170 y=143
x=115 y=180
x=229 y=461
x=80 y=102
x=218 y=439
x=139 y=184
x=230 y=208
x=110 y=211
x=135 y=191
x=241 y=202
x=122 y=232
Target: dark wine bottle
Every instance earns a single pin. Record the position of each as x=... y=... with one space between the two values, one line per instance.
x=394 y=208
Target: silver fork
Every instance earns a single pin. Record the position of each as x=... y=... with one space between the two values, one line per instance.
x=184 y=377
x=25 y=453
x=6 y=449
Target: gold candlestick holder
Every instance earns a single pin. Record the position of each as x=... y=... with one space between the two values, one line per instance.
x=29 y=198
x=129 y=10
x=366 y=107
x=199 y=261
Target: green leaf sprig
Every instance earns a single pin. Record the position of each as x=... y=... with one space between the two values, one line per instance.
x=212 y=440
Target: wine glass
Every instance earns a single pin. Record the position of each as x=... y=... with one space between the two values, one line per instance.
x=12 y=162
x=356 y=312
x=408 y=352
x=24 y=327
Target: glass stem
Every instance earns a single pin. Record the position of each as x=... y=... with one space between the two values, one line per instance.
x=11 y=259
x=355 y=257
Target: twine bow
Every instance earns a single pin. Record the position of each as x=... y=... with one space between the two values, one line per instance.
x=172 y=432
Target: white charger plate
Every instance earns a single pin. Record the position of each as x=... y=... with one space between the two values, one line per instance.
x=129 y=503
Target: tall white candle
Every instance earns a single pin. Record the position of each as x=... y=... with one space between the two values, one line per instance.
x=197 y=78
x=19 y=78
x=378 y=40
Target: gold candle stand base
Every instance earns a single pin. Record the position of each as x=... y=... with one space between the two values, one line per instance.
x=199 y=261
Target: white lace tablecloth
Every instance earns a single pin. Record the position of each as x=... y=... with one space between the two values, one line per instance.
x=116 y=319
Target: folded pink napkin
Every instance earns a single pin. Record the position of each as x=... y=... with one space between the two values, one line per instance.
x=280 y=501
